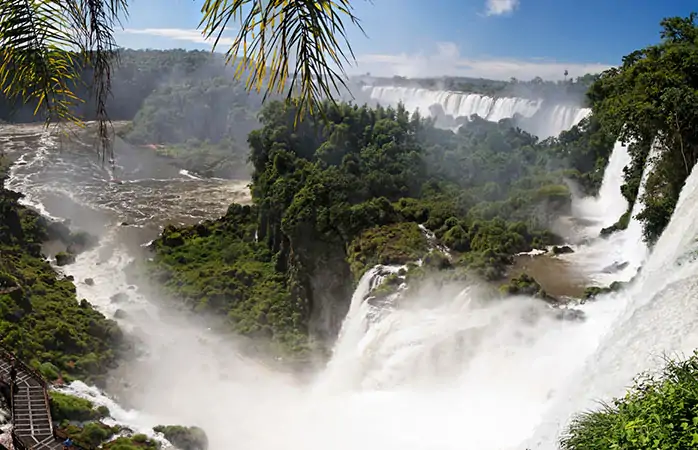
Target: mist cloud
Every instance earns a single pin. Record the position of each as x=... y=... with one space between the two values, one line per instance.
x=499 y=7
x=447 y=60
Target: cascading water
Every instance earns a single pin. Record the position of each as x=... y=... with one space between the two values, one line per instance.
x=619 y=256
x=605 y=208
x=630 y=240
x=537 y=116
x=443 y=368
x=660 y=317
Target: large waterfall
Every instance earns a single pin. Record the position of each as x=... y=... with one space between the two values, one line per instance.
x=446 y=367
x=539 y=117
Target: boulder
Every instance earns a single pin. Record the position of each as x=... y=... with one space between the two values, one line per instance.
x=563 y=249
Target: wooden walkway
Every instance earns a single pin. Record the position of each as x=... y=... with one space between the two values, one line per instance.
x=31 y=414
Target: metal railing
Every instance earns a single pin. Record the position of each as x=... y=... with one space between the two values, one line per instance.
x=36 y=376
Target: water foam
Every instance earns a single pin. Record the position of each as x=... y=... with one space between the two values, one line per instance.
x=449 y=368
x=659 y=317
x=538 y=117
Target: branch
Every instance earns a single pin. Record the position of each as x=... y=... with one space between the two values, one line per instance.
x=275 y=35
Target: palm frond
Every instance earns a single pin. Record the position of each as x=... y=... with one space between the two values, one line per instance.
x=45 y=45
x=275 y=35
x=34 y=64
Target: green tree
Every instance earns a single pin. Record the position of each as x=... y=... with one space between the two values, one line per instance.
x=650 y=99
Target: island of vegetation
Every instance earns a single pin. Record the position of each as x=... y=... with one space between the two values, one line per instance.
x=332 y=198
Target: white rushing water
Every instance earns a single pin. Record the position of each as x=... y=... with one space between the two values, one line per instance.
x=605 y=209
x=659 y=317
x=447 y=367
x=540 y=118
x=618 y=256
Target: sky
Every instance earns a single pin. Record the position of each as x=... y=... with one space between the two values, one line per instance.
x=496 y=39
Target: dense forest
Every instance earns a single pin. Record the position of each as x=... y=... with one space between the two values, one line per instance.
x=334 y=196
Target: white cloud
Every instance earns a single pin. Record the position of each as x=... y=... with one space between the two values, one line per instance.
x=499 y=7
x=180 y=34
x=447 y=61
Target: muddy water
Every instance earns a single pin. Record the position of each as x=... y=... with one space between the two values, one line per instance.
x=556 y=276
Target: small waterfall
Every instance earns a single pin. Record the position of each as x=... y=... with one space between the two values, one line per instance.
x=617 y=257
x=605 y=209
x=535 y=116
x=635 y=249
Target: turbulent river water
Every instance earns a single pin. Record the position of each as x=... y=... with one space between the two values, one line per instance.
x=447 y=370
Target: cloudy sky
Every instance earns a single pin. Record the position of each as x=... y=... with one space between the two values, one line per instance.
x=483 y=38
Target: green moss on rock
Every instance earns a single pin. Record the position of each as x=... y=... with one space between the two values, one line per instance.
x=595 y=291
x=71 y=408
x=184 y=438
x=525 y=284
x=389 y=244
x=64 y=258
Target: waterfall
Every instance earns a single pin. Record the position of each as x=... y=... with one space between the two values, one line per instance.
x=632 y=243
x=605 y=209
x=452 y=364
x=535 y=116
x=617 y=257
x=660 y=316
x=443 y=367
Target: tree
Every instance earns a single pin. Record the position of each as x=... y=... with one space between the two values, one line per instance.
x=297 y=46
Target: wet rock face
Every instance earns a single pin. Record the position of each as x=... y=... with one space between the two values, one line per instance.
x=574 y=315
x=562 y=250
x=119 y=297
x=615 y=267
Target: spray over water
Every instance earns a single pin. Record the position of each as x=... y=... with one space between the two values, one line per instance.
x=445 y=367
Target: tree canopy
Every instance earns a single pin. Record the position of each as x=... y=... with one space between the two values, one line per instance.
x=650 y=99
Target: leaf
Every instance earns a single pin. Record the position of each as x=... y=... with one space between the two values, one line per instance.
x=295 y=46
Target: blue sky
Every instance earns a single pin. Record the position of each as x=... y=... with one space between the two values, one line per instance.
x=488 y=38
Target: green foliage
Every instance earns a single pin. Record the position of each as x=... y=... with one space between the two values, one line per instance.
x=594 y=291
x=184 y=438
x=98 y=435
x=90 y=435
x=41 y=320
x=390 y=244
x=657 y=412
x=217 y=266
x=71 y=408
x=525 y=284
x=201 y=123
x=651 y=98
x=333 y=197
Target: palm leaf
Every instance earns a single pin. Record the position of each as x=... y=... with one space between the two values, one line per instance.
x=45 y=45
x=303 y=41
